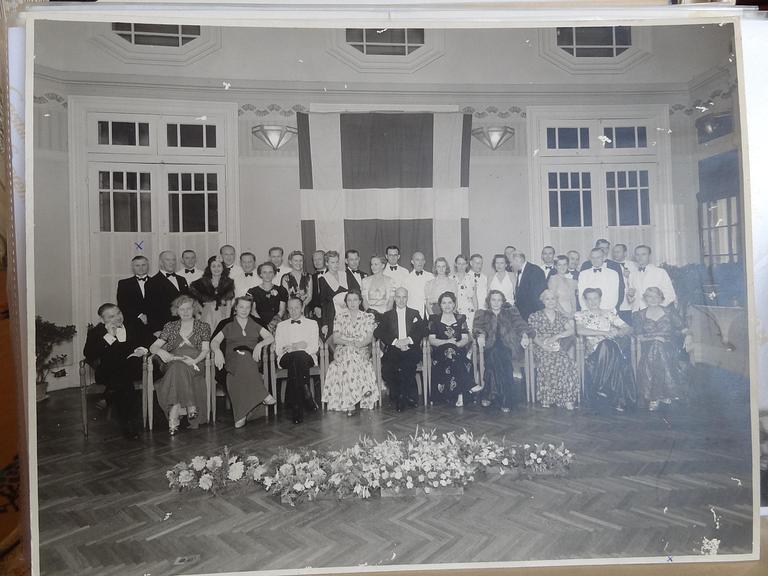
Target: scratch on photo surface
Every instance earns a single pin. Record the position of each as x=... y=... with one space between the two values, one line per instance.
x=737 y=480
x=715 y=517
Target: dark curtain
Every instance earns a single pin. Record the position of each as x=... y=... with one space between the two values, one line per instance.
x=373 y=236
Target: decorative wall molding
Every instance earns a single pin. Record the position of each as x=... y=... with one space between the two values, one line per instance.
x=271 y=109
x=495 y=112
x=701 y=105
x=433 y=48
x=50 y=97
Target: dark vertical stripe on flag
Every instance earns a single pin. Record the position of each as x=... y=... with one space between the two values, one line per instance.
x=465 y=236
x=305 y=152
x=308 y=242
x=466 y=144
x=371 y=237
x=380 y=150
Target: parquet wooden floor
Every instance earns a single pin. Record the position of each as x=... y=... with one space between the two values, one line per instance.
x=643 y=484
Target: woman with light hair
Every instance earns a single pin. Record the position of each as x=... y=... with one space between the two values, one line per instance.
x=658 y=329
x=557 y=379
x=563 y=287
x=440 y=284
x=333 y=288
x=182 y=347
x=378 y=289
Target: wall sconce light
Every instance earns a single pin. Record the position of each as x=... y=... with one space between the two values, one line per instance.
x=493 y=136
x=274 y=136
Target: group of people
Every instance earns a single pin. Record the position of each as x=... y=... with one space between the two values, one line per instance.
x=236 y=308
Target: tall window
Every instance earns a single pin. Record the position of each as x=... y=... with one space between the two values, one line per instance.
x=193 y=202
x=595 y=41
x=570 y=199
x=628 y=197
x=112 y=133
x=172 y=35
x=720 y=225
x=124 y=201
x=386 y=41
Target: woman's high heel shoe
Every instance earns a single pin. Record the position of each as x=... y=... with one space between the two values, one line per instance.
x=270 y=400
x=240 y=423
x=173 y=420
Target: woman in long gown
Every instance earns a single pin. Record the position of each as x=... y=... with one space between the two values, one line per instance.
x=333 y=288
x=214 y=291
x=608 y=374
x=350 y=380
x=182 y=347
x=658 y=328
x=378 y=290
x=269 y=301
x=451 y=376
x=563 y=287
x=439 y=285
x=297 y=282
x=502 y=279
x=245 y=337
x=466 y=296
x=502 y=334
x=556 y=374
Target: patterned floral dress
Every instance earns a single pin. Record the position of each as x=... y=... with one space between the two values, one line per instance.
x=466 y=295
x=556 y=373
x=451 y=369
x=658 y=371
x=350 y=378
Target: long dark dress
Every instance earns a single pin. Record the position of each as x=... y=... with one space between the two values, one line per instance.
x=182 y=384
x=267 y=304
x=329 y=299
x=658 y=371
x=556 y=374
x=244 y=382
x=451 y=369
x=607 y=371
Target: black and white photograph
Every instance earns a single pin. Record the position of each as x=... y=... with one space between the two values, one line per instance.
x=323 y=299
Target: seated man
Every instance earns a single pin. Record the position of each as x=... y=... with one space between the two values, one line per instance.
x=296 y=344
x=115 y=348
x=401 y=330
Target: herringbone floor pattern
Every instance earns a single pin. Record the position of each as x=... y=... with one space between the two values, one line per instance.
x=643 y=484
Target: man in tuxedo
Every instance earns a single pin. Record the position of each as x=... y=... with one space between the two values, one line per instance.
x=480 y=280
x=600 y=275
x=115 y=348
x=648 y=275
x=248 y=278
x=398 y=273
x=628 y=267
x=401 y=331
x=131 y=292
x=190 y=272
x=548 y=261
x=574 y=264
x=228 y=256
x=276 y=257
x=605 y=246
x=509 y=252
x=162 y=289
x=417 y=280
x=531 y=282
x=354 y=274
x=318 y=265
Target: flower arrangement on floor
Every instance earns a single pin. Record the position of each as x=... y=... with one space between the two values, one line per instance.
x=424 y=461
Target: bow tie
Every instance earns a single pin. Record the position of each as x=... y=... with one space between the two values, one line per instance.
x=547 y=267
x=247 y=274
x=419 y=273
x=623 y=265
x=169 y=274
x=393 y=268
x=596 y=270
x=477 y=274
x=295 y=321
x=189 y=270
x=641 y=269
x=141 y=278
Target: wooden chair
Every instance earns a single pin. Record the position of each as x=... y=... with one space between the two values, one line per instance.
x=524 y=372
x=422 y=369
x=87 y=380
x=275 y=372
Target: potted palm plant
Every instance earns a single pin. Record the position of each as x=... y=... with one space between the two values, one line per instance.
x=47 y=336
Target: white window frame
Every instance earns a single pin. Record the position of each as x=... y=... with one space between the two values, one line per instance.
x=653 y=207
x=205 y=119
x=221 y=191
x=432 y=49
x=92 y=134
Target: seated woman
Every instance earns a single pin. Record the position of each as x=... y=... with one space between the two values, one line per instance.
x=378 y=290
x=502 y=333
x=298 y=283
x=182 y=346
x=332 y=285
x=451 y=374
x=556 y=374
x=439 y=285
x=608 y=374
x=350 y=380
x=658 y=328
x=245 y=337
x=268 y=300
x=214 y=291
x=563 y=287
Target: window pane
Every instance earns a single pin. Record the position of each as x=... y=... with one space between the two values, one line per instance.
x=563 y=179
x=565 y=36
x=645 y=207
x=199 y=181
x=586 y=180
x=594 y=52
x=567 y=138
x=735 y=240
x=192 y=30
x=720 y=240
x=213 y=212
x=632 y=175
x=625 y=137
x=144 y=181
x=623 y=36
x=191 y=135
x=157 y=28
x=103 y=132
x=124 y=133
x=105 y=212
x=172 y=135
x=415 y=36
x=121 y=26
x=608 y=133
x=551 y=140
x=610 y=179
x=387 y=36
x=147 y=40
x=629 y=212
x=644 y=178
x=570 y=208
x=642 y=137
x=622 y=176
x=103 y=180
x=586 y=199
x=354 y=34
x=173 y=212
x=595 y=36
x=186 y=181
x=146 y=212
x=193 y=212
x=575 y=180
x=611 y=207
x=359 y=47
x=173 y=182
x=412 y=48
x=186 y=40
x=117 y=180
x=385 y=50
x=212 y=178
x=210 y=136
x=584 y=137
x=554 y=219
x=620 y=51
x=126 y=213
x=143 y=134
x=130 y=181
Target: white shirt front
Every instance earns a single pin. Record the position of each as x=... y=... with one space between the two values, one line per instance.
x=289 y=332
x=606 y=280
x=628 y=267
x=142 y=285
x=399 y=275
x=481 y=281
x=280 y=272
x=651 y=276
x=506 y=286
x=120 y=335
x=547 y=269
x=244 y=283
x=234 y=271
x=191 y=276
x=415 y=284
x=402 y=327
x=172 y=279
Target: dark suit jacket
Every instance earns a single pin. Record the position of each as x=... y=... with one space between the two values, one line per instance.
x=613 y=265
x=111 y=361
x=352 y=281
x=159 y=295
x=130 y=300
x=532 y=284
x=549 y=274
x=387 y=331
